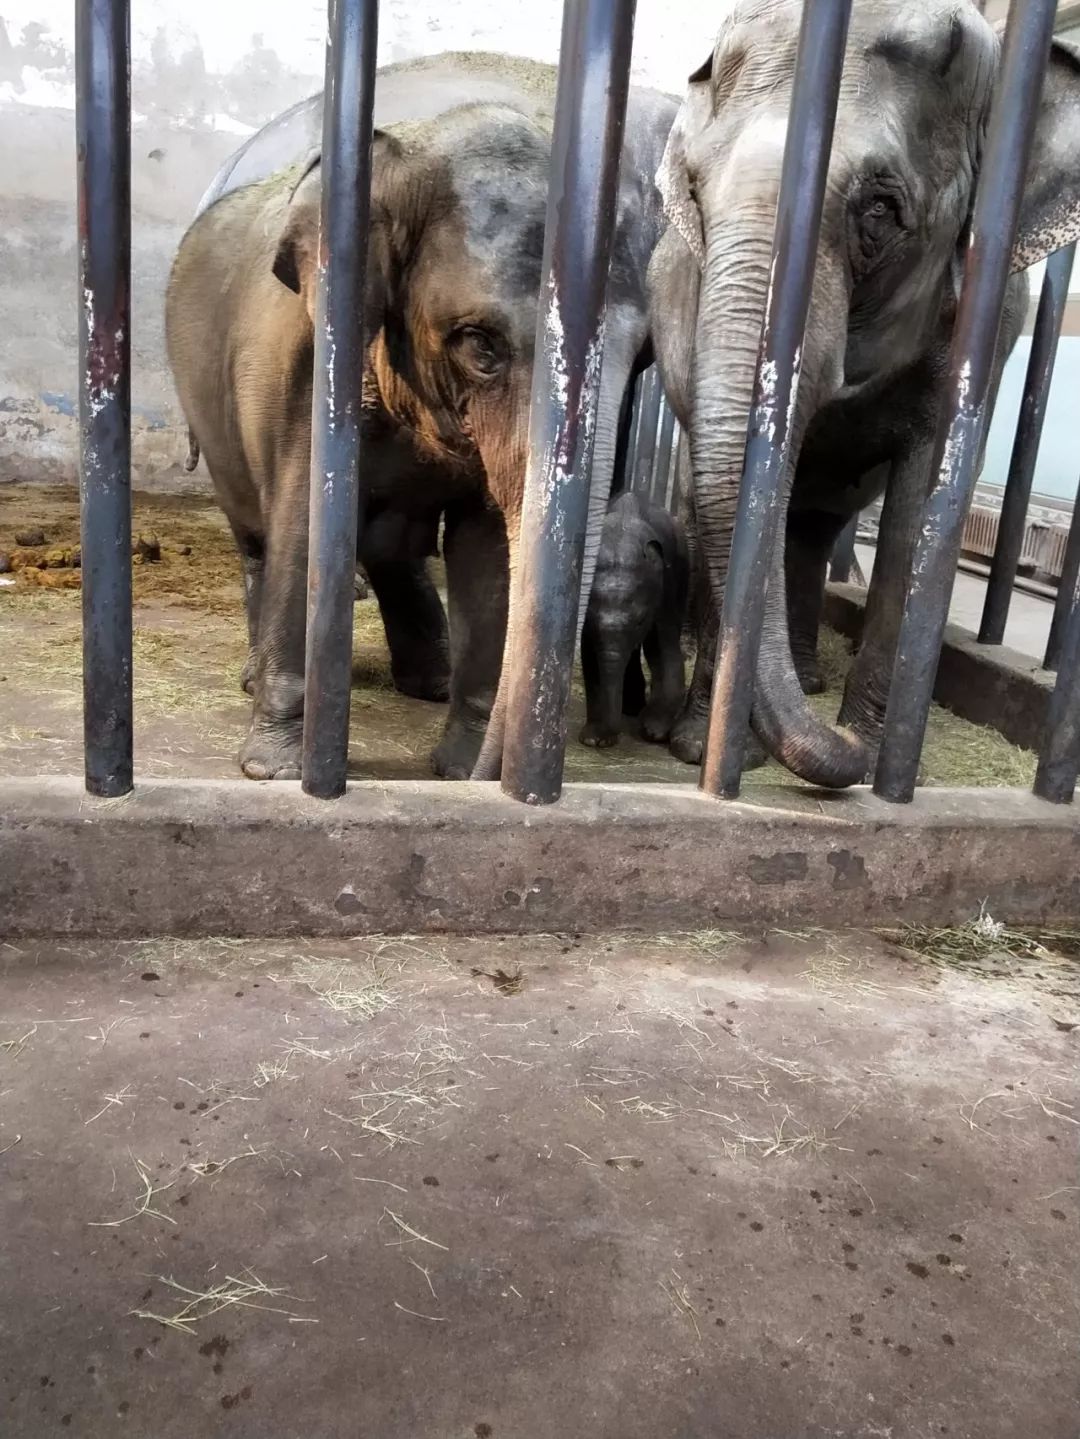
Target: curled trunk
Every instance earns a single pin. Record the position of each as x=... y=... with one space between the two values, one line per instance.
x=733 y=299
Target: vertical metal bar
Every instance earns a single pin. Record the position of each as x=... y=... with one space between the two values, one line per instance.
x=590 y=112
x=967 y=387
x=661 y=483
x=637 y=390
x=103 y=131
x=645 y=452
x=351 y=44
x=1070 y=571
x=1025 y=453
x=1059 y=758
x=798 y=219
x=843 y=555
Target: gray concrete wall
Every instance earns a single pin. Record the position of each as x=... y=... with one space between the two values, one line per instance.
x=205 y=74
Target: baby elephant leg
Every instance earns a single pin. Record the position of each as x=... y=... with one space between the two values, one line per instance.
x=604 y=659
x=663 y=653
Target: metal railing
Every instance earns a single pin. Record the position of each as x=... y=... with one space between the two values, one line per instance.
x=591 y=103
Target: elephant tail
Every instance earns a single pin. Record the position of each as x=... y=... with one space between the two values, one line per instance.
x=192 y=460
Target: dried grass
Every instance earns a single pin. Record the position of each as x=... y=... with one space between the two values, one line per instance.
x=202 y=1304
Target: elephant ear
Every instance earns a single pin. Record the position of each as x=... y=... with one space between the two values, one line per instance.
x=297 y=256
x=672 y=180
x=1050 y=214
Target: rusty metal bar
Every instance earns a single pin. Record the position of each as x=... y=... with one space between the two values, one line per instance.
x=590 y=112
x=648 y=424
x=1025 y=453
x=665 y=442
x=103 y=138
x=348 y=104
x=1070 y=571
x=1059 y=758
x=966 y=395
x=843 y=555
x=798 y=219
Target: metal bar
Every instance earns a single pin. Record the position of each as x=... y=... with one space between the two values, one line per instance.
x=648 y=425
x=661 y=482
x=103 y=137
x=1025 y=453
x=1059 y=758
x=966 y=393
x=351 y=44
x=1070 y=571
x=843 y=555
x=629 y=472
x=590 y=112
x=795 y=242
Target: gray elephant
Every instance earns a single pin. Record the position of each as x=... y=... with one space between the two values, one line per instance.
x=459 y=192
x=919 y=79
x=637 y=602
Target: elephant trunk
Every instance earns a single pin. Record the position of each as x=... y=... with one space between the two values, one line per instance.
x=739 y=217
x=618 y=356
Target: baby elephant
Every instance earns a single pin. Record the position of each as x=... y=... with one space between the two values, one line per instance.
x=638 y=600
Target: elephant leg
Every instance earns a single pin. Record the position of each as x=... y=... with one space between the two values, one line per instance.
x=477 y=573
x=252 y=553
x=667 y=671
x=415 y=625
x=867 y=690
x=811 y=535
x=604 y=658
x=273 y=745
x=634 y=690
x=691 y=728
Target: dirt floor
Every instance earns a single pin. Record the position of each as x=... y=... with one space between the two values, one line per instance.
x=701 y=1187
x=190 y=642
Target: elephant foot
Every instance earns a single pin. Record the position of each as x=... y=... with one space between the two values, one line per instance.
x=455 y=756
x=657 y=721
x=361 y=588
x=598 y=736
x=433 y=687
x=688 y=743
x=687 y=739
x=273 y=751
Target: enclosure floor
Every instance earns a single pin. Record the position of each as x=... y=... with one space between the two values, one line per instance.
x=190 y=643
x=699 y=1187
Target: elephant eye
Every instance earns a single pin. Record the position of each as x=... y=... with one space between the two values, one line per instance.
x=477 y=351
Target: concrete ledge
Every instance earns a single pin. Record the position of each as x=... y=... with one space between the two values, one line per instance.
x=234 y=858
x=987 y=684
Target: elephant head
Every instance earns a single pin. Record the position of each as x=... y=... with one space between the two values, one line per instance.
x=917 y=86
x=454 y=256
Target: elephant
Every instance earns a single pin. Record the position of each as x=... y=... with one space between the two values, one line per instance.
x=638 y=601
x=460 y=163
x=918 y=82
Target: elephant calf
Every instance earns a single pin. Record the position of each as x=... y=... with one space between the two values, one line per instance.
x=638 y=601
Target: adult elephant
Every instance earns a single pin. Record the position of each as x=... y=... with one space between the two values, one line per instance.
x=459 y=193
x=918 y=82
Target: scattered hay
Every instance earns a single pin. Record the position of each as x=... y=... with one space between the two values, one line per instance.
x=679 y=1294
x=144 y=1202
x=712 y=943
x=412 y=1236
x=111 y=1100
x=14 y=1047
x=986 y=948
x=207 y=1167
x=205 y=1303
x=341 y=993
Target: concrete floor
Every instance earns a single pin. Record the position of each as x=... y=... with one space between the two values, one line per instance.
x=700 y=1187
